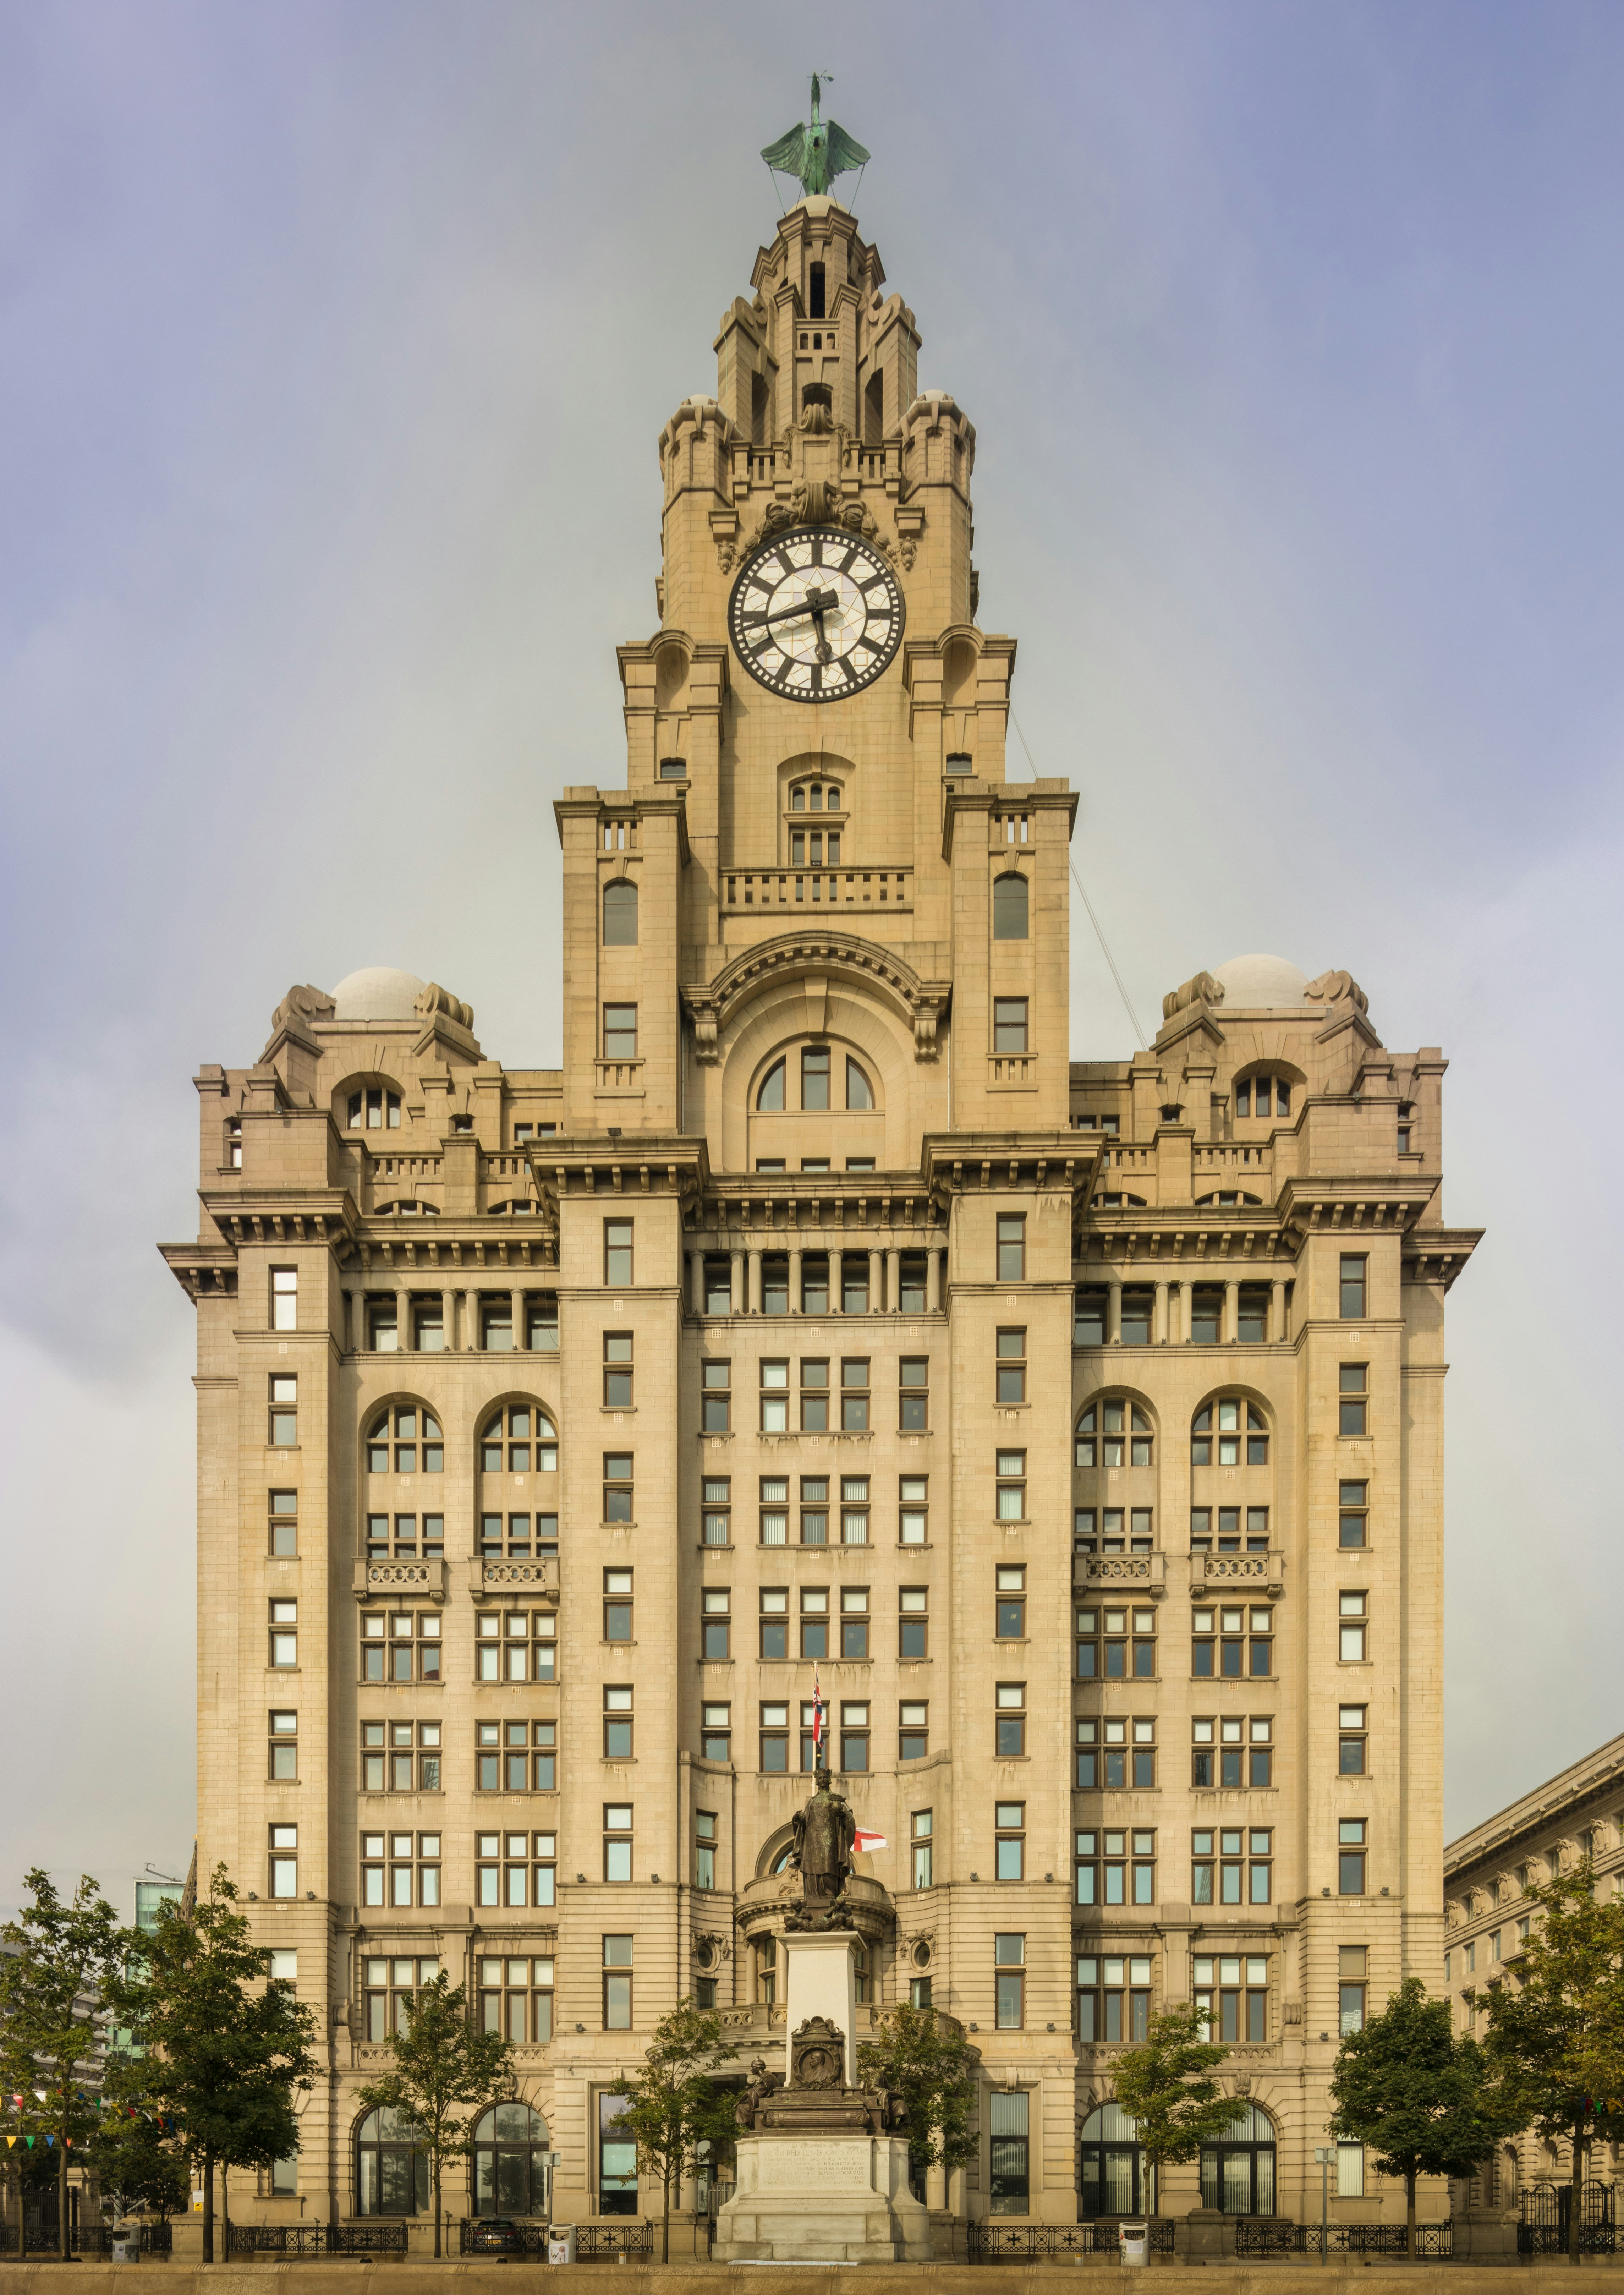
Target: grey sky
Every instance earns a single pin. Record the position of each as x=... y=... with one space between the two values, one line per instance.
x=334 y=342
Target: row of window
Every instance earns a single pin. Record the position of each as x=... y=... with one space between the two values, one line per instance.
x=1137 y=1312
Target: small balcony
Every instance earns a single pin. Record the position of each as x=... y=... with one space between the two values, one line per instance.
x=1139 y=1573
x=1251 y=1573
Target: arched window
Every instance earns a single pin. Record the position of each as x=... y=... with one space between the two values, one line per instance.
x=517 y=1518
x=858 y=1091
x=1219 y=1429
x=771 y=1093
x=510 y=2161
x=1114 y=1433
x=1010 y=908
x=1115 y=2181
x=620 y=914
x=1238 y=2173
x=403 y=1438
x=373 y=1109
x=815 y=796
x=391 y=2166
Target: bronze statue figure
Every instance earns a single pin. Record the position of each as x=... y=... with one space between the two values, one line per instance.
x=825 y=1834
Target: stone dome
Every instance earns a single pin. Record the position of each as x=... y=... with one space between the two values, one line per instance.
x=1258 y=983
x=378 y=992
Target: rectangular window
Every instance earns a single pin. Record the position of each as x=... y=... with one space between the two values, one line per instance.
x=1231 y=1992
x=283 y=1758
x=516 y=1868
x=1351 y=1647
x=1011 y=1495
x=284 y=1299
x=514 y=1644
x=1353 y=1500
x=1352 y=1398
x=390 y=1987
x=1010 y=1842
x=383 y=1327
x=912 y=1282
x=1113 y=1998
x=704 y=1848
x=1351 y=1975
x=775 y=1739
x=855 y=1283
x=1009 y=1978
x=716 y=1397
x=716 y=1625
x=617 y=1486
x=1089 y=1318
x=1351 y=1286
x=855 y=1395
x=496 y=1327
x=516 y=1998
x=854 y=1622
x=775 y=1277
x=541 y=1324
x=283 y=1431
x=514 y=1756
x=913 y=1510
x=408 y=1762
x=815 y=1076
x=775 y=1396
x=1251 y=1325
x=717 y=1495
x=1137 y=1308
x=1008 y=2142
x=814 y=1283
x=913 y=1394
x=853 y=1738
x=400 y=1869
x=919 y=1835
x=1010 y=1367
x=618 y=1605
x=617 y=1253
x=285 y=1633
x=1009 y=1024
x=814 y=1622
x=618 y=1721
x=815 y=1750
x=1009 y=1605
x=1350 y=2166
x=913 y=1621
x=717 y=1275
x=1012 y=1246
x=774 y=1622
x=1010 y=1720
x=716 y=1733
x=616 y=1840
x=1352 y=1738
x=617 y=1371
x=913 y=1730
x=620 y=1032
x=1206 y=1317
x=617 y=2018
x=1350 y=1850
x=283 y=1523
x=814 y=1394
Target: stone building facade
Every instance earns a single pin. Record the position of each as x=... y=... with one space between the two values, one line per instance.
x=1079 y=1422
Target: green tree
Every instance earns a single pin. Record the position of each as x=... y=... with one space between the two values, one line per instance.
x=223 y=2051
x=51 y=1986
x=139 y=2164
x=933 y=2068
x=674 y=2106
x=1162 y=2085
x=1555 y=2025
x=1425 y=2103
x=446 y=2073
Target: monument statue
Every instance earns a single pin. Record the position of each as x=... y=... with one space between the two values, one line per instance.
x=825 y=1834
x=817 y=153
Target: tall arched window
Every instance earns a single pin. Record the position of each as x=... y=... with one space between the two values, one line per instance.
x=771 y=1093
x=391 y=2166
x=510 y=2161
x=1010 y=908
x=1115 y=2180
x=517 y=1517
x=620 y=914
x=858 y=1091
x=1238 y=2173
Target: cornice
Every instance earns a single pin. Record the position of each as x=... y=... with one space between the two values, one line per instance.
x=711 y=1005
x=1597 y=1775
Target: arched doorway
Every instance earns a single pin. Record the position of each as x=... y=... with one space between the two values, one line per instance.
x=391 y=2166
x=510 y=2161
x=1237 y=2172
x=1115 y=2180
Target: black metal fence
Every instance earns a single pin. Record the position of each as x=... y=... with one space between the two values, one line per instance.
x=479 y=2235
x=86 y=2239
x=1546 y=2215
x=990 y=2242
x=386 y=2235
x=1266 y=2235
x=595 y=2243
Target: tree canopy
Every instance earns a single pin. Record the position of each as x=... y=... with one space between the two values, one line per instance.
x=445 y=2074
x=1163 y=2085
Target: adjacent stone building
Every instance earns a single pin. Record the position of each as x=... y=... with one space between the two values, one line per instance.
x=1075 y=1425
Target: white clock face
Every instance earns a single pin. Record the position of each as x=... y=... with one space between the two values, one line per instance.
x=816 y=615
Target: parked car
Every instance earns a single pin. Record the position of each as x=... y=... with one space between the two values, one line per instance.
x=495 y=2235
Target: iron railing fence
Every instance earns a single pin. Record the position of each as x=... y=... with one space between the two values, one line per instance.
x=386 y=2235
x=1266 y=2235
x=989 y=2242
x=477 y=2235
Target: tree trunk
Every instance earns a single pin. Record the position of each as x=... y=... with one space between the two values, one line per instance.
x=1576 y=2193
x=1409 y=2214
x=665 y=2223
x=62 y=2193
x=23 y=2234
x=208 y=2208
x=437 y=2207
x=225 y=2205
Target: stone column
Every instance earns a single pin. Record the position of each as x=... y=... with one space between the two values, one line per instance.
x=1232 y=1312
x=794 y=1278
x=933 y=1281
x=836 y=1269
x=893 y=1281
x=473 y=1337
x=1158 y=1329
x=1175 y=1314
x=695 y=1262
x=448 y=1320
x=1113 y=1311
x=737 y=1296
x=521 y=1338
x=1276 y=1308
x=873 y=1290
x=751 y=1303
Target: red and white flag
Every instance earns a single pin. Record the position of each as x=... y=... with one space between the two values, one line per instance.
x=864 y=1841
x=817 y=1722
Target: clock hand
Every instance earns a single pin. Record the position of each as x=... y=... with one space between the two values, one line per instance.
x=813 y=603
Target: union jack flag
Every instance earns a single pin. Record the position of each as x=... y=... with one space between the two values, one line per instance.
x=817 y=1721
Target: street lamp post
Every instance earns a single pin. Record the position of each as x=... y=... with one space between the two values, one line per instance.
x=1322 y=2153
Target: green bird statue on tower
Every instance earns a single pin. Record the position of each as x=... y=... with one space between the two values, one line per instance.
x=817 y=153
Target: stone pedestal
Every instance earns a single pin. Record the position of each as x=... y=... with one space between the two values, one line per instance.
x=822 y=2199
x=821 y=1981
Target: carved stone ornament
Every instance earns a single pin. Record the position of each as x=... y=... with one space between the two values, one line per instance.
x=817 y=2054
x=438 y=1003
x=1203 y=989
x=818 y=501
x=844 y=957
x=1334 y=988
x=305 y=1003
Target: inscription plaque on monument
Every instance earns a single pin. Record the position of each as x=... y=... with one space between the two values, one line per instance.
x=788 y=2167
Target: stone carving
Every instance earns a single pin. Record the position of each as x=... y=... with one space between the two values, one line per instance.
x=825 y=1834
x=756 y=2089
x=305 y=1003
x=818 y=501
x=1203 y=989
x=817 y=2054
x=436 y=1002
x=1334 y=988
